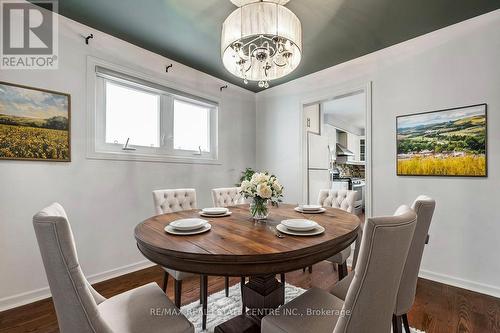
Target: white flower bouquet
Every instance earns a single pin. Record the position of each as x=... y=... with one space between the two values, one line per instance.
x=262 y=188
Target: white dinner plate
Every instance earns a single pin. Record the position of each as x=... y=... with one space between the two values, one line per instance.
x=204 y=228
x=215 y=210
x=188 y=224
x=299 y=224
x=310 y=207
x=322 y=210
x=316 y=231
x=212 y=215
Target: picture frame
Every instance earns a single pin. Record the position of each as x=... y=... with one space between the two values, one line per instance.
x=450 y=142
x=35 y=124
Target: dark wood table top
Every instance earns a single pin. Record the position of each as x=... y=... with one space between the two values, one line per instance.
x=237 y=245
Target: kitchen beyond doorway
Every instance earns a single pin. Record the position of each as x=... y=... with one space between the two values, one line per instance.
x=336 y=145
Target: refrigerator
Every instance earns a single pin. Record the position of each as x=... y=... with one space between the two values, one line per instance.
x=319 y=155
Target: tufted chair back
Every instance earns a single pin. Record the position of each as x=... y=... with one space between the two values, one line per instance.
x=175 y=200
x=74 y=298
x=227 y=196
x=343 y=199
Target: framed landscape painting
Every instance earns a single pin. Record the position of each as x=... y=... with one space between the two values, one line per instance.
x=34 y=124
x=449 y=142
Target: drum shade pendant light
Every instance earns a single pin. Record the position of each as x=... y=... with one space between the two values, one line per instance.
x=261 y=41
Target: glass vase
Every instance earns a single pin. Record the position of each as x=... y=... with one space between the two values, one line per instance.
x=259 y=208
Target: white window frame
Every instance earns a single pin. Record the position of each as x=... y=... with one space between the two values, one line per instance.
x=97 y=148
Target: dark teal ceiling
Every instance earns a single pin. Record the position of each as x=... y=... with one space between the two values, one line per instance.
x=334 y=31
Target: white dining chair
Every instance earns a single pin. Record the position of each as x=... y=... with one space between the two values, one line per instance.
x=227 y=196
x=171 y=201
x=342 y=199
x=79 y=307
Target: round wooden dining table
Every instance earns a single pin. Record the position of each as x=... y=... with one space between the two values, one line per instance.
x=237 y=245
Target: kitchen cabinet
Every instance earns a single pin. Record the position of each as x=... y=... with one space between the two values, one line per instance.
x=362 y=149
x=353 y=145
x=312 y=119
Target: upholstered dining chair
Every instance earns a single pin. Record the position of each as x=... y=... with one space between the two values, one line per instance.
x=170 y=201
x=342 y=199
x=370 y=300
x=227 y=196
x=79 y=307
x=424 y=208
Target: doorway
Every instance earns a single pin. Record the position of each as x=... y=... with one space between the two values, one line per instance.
x=336 y=145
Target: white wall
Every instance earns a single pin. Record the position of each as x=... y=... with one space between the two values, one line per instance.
x=455 y=66
x=105 y=199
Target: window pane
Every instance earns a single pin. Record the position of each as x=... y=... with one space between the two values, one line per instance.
x=191 y=126
x=133 y=114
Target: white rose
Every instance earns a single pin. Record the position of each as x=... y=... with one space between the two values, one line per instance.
x=277 y=186
x=259 y=177
x=264 y=191
x=245 y=185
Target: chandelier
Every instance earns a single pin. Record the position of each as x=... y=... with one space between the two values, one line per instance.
x=261 y=41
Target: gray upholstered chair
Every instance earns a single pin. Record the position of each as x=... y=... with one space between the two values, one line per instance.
x=370 y=300
x=424 y=208
x=342 y=199
x=227 y=196
x=81 y=309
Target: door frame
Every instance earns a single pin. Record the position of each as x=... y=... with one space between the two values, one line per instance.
x=335 y=93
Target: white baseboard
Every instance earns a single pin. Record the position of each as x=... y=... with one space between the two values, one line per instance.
x=454 y=281
x=13 y=301
x=461 y=283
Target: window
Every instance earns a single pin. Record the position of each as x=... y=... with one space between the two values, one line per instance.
x=191 y=126
x=132 y=114
x=135 y=119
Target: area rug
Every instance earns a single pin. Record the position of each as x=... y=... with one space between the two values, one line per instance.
x=222 y=308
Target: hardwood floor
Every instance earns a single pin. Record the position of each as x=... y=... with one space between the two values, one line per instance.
x=438 y=308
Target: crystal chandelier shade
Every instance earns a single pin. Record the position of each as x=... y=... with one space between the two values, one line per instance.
x=261 y=41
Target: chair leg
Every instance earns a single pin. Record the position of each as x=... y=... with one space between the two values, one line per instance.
x=282 y=280
x=226 y=284
x=397 y=325
x=242 y=283
x=201 y=290
x=204 y=279
x=165 y=282
x=178 y=292
x=405 y=323
x=310 y=269
x=304 y=270
x=342 y=270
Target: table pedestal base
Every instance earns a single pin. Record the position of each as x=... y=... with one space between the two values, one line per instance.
x=260 y=295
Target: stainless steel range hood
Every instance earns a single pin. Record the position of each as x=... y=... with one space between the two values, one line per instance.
x=343 y=151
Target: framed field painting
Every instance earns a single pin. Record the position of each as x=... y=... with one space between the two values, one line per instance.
x=34 y=124
x=449 y=142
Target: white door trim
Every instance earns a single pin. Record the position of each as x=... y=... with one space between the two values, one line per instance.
x=317 y=98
